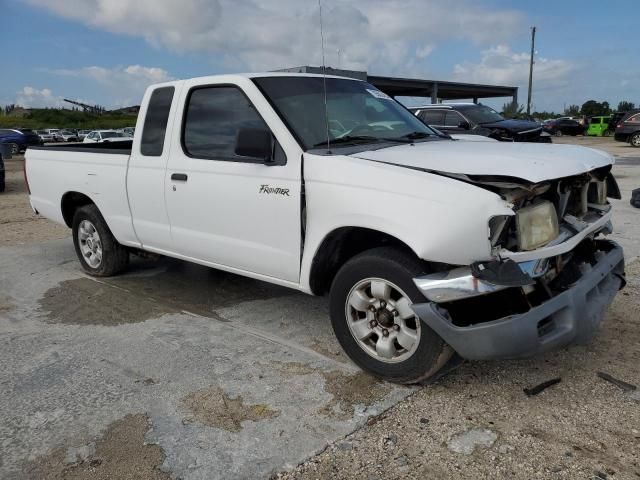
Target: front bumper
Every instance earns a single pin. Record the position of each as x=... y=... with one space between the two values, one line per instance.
x=573 y=315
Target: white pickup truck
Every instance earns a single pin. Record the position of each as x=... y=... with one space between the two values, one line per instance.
x=428 y=246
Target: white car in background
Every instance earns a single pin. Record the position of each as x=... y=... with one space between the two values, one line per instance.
x=46 y=136
x=105 y=136
x=67 y=136
x=82 y=134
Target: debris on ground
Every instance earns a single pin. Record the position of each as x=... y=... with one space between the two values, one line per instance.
x=541 y=387
x=627 y=387
x=635 y=198
x=465 y=443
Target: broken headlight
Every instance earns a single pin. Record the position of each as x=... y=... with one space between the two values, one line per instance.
x=536 y=225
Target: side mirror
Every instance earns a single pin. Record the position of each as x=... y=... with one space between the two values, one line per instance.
x=256 y=143
x=464 y=125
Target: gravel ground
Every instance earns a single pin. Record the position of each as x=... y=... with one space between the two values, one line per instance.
x=477 y=422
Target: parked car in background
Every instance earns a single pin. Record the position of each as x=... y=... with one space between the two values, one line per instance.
x=68 y=136
x=105 y=136
x=628 y=129
x=2 y=154
x=45 y=136
x=54 y=133
x=474 y=119
x=19 y=140
x=599 y=127
x=82 y=134
x=564 y=126
x=615 y=119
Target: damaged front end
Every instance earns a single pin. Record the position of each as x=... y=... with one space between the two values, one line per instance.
x=552 y=278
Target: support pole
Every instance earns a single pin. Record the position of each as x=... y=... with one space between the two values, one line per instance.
x=533 y=42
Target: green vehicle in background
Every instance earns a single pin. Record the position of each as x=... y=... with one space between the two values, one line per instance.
x=600 y=127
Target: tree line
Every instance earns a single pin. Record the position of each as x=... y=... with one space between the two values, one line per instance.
x=589 y=108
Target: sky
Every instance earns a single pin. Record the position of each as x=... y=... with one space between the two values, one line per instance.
x=107 y=52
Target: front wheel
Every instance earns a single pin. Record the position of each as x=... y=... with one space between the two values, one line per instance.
x=371 y=315
x=634 y=141
x=606 y=133
x=99 y=252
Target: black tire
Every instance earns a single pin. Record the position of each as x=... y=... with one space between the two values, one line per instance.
x=606 y=133
x=558 y=133
x=398 y=268
x=15 y=148
x=634 y=140
x=115 y=257
x=2 y=181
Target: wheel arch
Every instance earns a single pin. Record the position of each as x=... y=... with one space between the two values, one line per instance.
x=342 y=244
x=72 y=201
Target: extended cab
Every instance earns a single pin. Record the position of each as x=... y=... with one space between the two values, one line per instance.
x=428 y=246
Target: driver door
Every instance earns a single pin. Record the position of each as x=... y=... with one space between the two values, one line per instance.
x=224 y=209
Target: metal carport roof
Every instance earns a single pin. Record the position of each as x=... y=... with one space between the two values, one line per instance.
x=417 y=87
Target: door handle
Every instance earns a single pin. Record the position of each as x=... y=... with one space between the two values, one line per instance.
x=180 y=177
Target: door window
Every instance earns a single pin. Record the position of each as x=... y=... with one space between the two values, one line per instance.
x=452 y=119
x=214 y=116
x=432 y=117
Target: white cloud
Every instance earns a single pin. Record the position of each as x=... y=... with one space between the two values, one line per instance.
x=381 y=35
x=424 y=51
x=30 y=97
x=125 y=84
x=500 y=65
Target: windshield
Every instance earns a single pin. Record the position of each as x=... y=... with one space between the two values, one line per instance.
x=111 y=134
x=483 y=114
x=357 y=111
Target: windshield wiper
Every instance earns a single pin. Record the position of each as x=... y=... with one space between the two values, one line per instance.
x=347 y=139
x=416 y=135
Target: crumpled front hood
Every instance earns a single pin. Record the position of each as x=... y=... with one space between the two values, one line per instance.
x=513 y=125
x=531 y=162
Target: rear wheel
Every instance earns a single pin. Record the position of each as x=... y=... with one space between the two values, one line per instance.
x=635 y=140
x=2 y=183
x=558 y=133
x=15 y=148
x=99 y=252
x=370 y=301
x=606 y=133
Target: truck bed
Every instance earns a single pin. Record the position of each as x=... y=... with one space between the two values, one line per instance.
x=97 y=170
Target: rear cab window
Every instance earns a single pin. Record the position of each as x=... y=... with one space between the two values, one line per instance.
x=155 y=122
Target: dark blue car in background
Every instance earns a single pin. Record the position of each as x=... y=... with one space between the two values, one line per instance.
x=19 y=139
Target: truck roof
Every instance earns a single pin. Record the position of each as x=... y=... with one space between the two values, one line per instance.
x=236 y=76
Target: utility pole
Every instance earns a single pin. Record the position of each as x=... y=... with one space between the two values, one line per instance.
x=533 y=42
